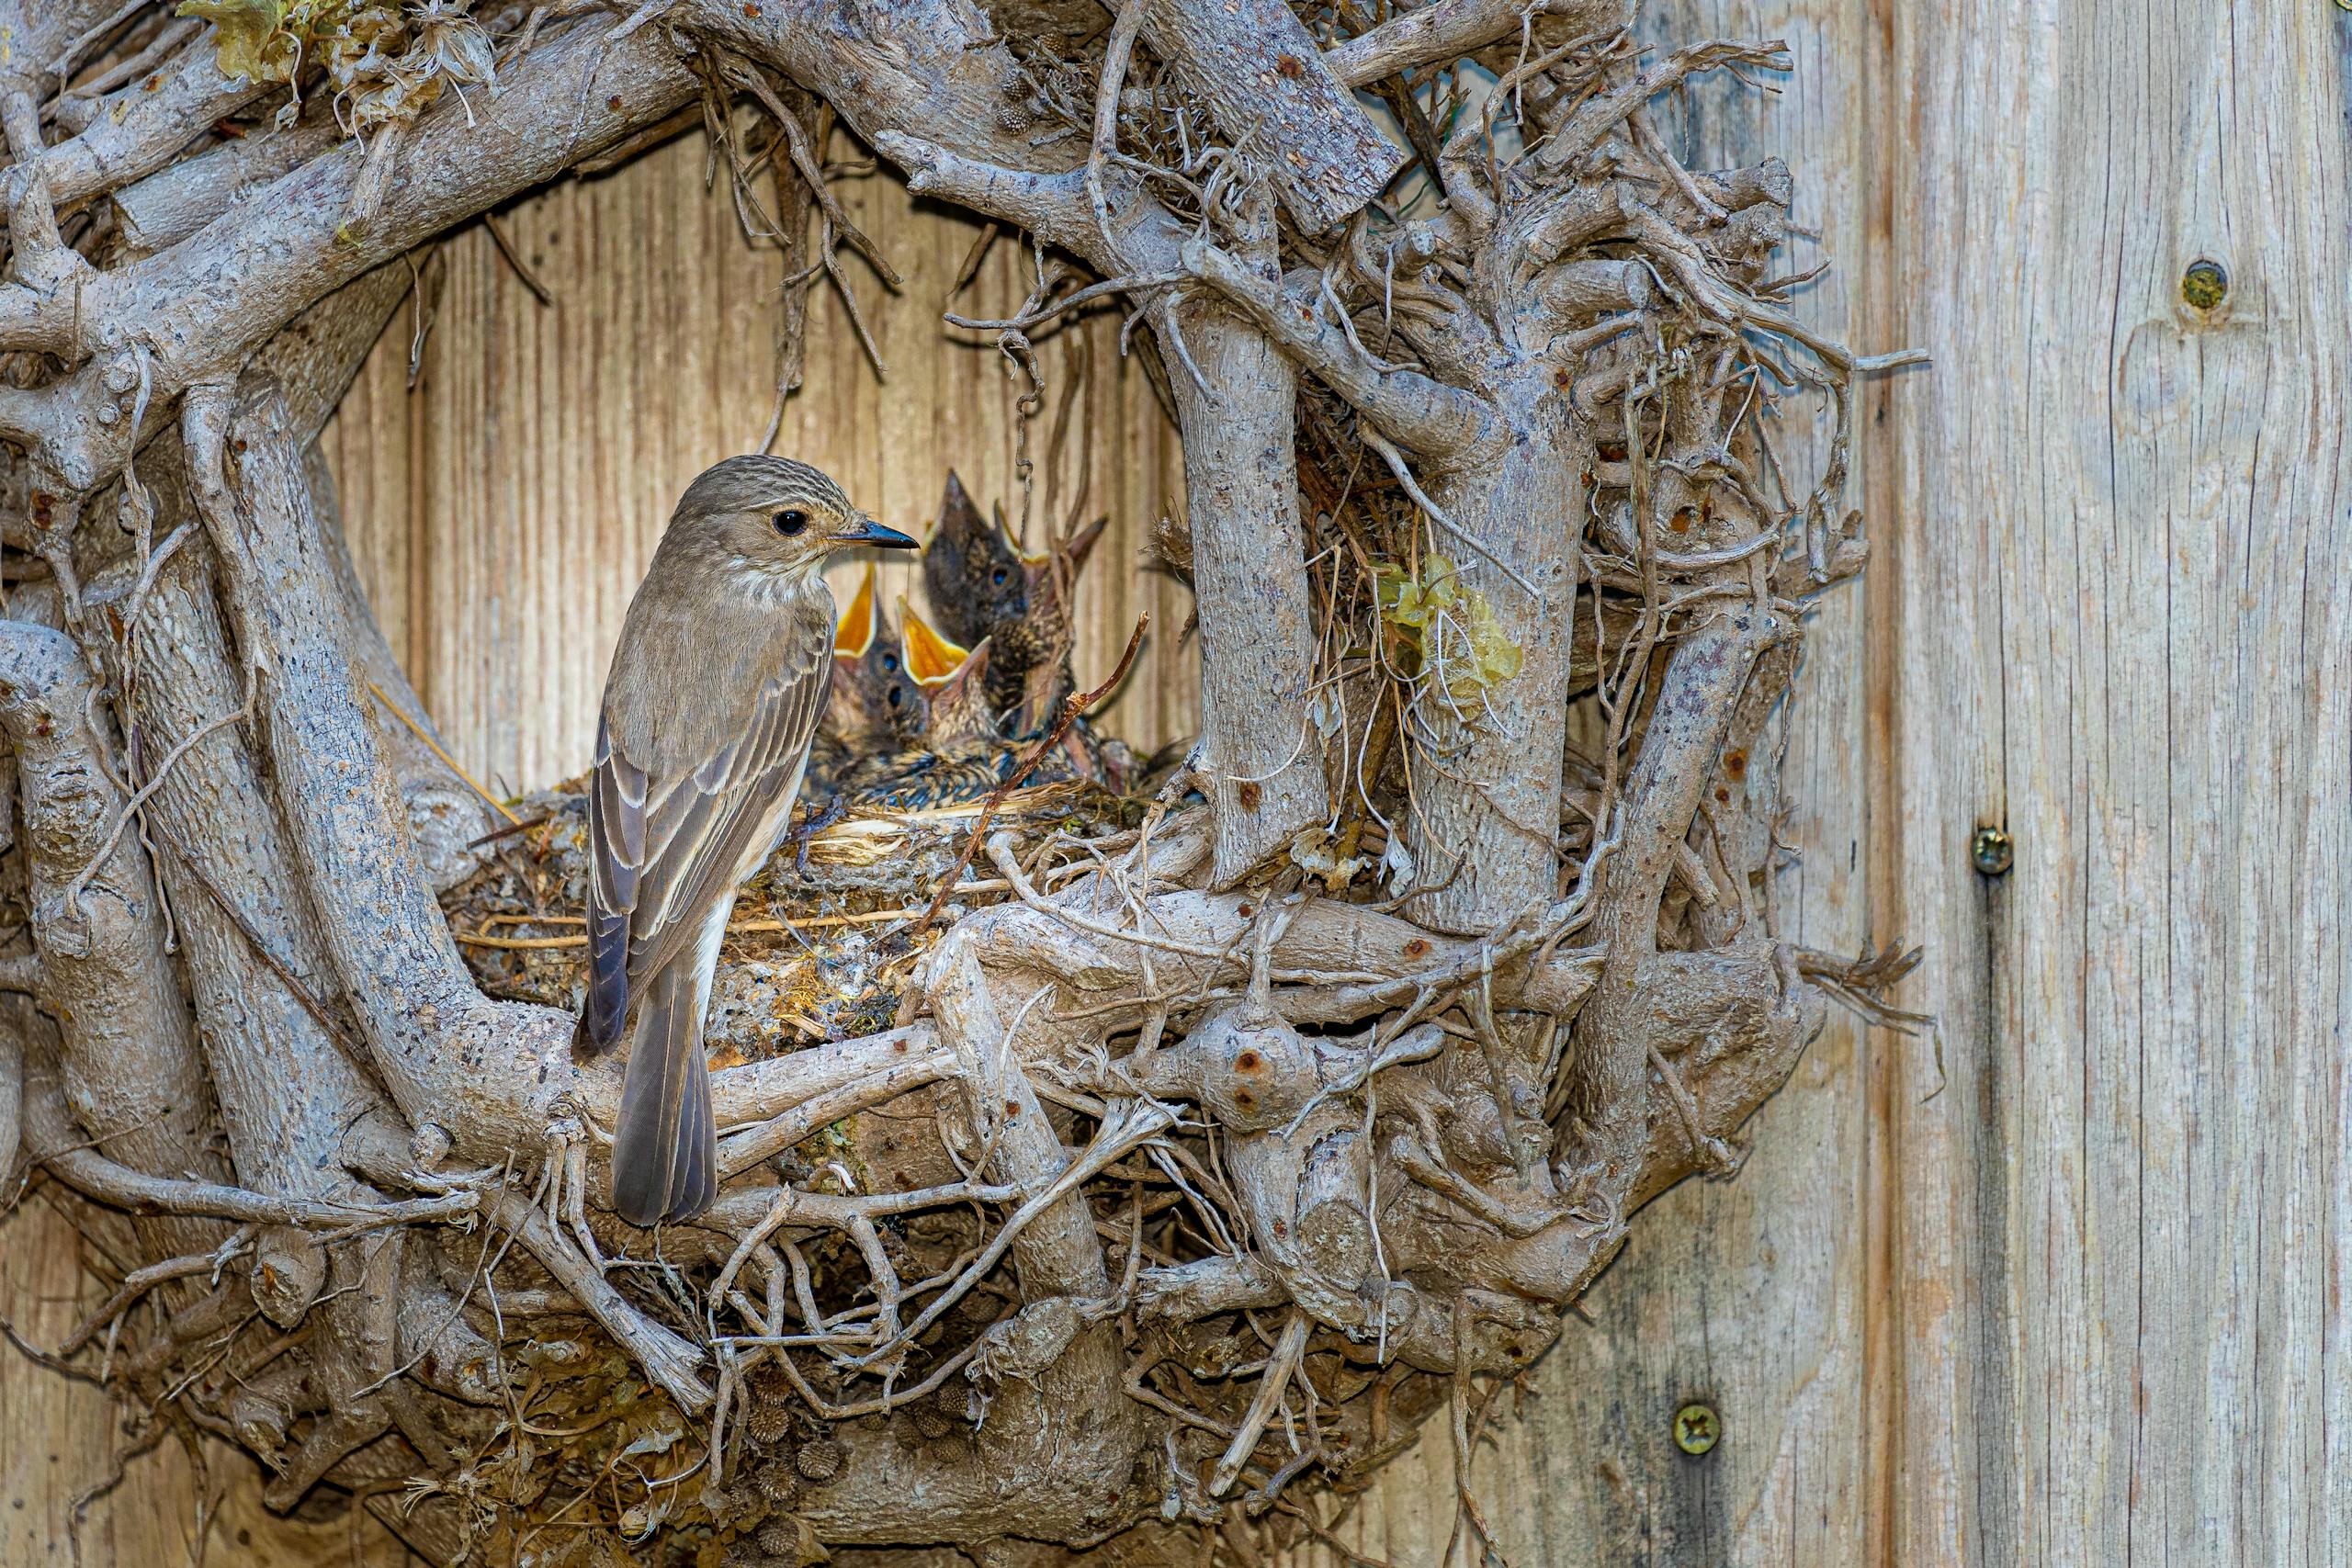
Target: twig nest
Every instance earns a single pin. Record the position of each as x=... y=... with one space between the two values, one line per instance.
x=820 y=1459
x=1255 y=1071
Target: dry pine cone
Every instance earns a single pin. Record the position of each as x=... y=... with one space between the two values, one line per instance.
x=941 y=1415
x=768 y=1420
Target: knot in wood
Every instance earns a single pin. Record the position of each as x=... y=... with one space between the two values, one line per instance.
x=1256 y=1072
x=1029 y=1341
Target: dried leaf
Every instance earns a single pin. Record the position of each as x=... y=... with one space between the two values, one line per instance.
x=1444 y=632
x=250 y=37
x=1313 y=849
x=385 y=67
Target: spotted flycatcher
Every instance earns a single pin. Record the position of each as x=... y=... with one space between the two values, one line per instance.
x=714 y=696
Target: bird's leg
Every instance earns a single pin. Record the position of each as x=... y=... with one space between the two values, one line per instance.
x=810 y=826
x=548 y=1195
x=566 y=1181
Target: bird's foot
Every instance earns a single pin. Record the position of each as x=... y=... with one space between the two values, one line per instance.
x=812 y=825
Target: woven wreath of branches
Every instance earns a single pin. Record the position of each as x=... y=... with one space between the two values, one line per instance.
x=1122 y=1155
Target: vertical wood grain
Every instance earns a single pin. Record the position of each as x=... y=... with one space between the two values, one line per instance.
x=2063 y=1283
x=1749 y=1295
x=2123 y=543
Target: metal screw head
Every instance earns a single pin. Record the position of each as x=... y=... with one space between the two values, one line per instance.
x=1696 y=1429
x=1992 y=851
x=2204 y=284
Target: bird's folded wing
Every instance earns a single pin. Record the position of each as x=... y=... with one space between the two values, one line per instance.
x=662 y=850
x=616 y=851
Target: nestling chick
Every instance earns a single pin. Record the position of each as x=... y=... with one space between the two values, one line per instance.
x=971 y=570
x=953 y=682
x=962 y=756
x=983 y=585
x=875 y=703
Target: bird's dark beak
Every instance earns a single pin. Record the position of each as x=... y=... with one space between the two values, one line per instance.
x=866 y=531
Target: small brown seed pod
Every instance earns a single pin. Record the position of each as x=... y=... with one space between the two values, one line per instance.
x=767 y=1380
x=820 y=1459
x=779 y=1538
x=930 y=1422
x=778 y=1483
x=768 y=1420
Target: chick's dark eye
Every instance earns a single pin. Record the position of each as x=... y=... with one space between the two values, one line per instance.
x=791 y=522
x=996 y=578
x=891 y=662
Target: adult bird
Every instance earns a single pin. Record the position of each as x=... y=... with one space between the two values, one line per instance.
x=709 y=709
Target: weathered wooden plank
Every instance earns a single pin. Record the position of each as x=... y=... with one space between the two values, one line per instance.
x=2073 y=1282
x=2125 y=534
x=2064 y=1286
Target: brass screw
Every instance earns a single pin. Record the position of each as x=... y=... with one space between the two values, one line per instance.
x=1992 y=851
x=2204 y=284
x=1696 y=1429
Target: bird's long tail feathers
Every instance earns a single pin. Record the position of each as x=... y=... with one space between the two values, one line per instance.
x=665 y=1147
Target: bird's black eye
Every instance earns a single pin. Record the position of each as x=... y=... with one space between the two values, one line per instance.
x=996 y=578
x=891 y=662
x=791 y=522
x=895 y=697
